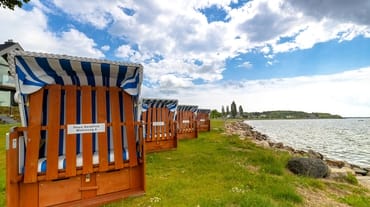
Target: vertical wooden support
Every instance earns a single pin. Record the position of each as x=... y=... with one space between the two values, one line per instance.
x=131 y=138
x=154 y=128
x=149 y=125
x=163 y=116
x=171 y=124
x=71 y=118
x=33 y=136
x=102 y=137
x=53 y=126
x=144 y=120
x=116 y=124
x=12 y=153
x=29 y=194
x=87 y=148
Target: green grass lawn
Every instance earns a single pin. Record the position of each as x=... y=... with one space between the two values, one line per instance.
x=220 y=170
x=4 y=128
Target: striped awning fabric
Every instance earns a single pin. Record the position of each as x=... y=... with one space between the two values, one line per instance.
x=35 y=70
x=204 y=111
x=191 y=108
x=171 y=104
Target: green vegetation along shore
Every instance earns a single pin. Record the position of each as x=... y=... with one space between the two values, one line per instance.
x=290 y=115
x=221 y=170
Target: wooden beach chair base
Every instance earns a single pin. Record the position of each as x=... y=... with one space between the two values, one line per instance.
x=92 y=189
x=193 y=134
x=84 y=190
x=162 y=145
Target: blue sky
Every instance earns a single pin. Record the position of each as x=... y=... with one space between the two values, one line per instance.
x=265 y=55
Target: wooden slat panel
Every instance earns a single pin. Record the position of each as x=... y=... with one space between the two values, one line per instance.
x=71 y=105
x=61 y=191
x=162 y=118
x=154 y=128
x=12 y=188
x=87 y=146
x=117 y=135
x=53 y=132
x=131 y=139
x=149 y=125
x=191 y=123
x=192 y=119
x=102 y=137
x=29 y=194
x=141 y=142
x=178 y=119
x=33 y=136
x=144 y=119
x=165 y=130
x=171 y=124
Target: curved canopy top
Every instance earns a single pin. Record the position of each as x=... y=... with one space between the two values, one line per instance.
x=171 y=104
x=205 y=111
x=191 y=108
x=35 y=70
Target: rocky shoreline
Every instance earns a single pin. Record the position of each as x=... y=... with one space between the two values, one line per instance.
x=337 y=168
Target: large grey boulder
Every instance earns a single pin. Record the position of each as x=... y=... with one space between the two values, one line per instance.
x=311 y=167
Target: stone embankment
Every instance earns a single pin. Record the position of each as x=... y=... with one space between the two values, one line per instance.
x=338 y=169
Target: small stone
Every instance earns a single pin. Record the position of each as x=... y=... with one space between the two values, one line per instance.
x=360 y=171
x=278 y=145
x=262 y=143
x=314 y=154
x=340 y=172
x=335 y=163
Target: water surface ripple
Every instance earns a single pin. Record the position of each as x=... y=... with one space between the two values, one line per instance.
x=341 y=139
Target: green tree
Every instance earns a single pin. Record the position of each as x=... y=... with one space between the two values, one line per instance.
x=227 y=110
x=10 y=4
x=215 y=114
x=223 y=111
x=233 y=109
x=241 y=112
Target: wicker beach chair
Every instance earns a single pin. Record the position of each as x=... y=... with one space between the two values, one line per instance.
x=158 y=116
x=80 y=142
x=186 y=122
x=204 y=123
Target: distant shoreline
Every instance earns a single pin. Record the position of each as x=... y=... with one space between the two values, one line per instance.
x=287 y=114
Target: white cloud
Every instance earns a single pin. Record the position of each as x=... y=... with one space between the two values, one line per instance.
x=179 y=33
x=30 y=29
x=96 y=13
x=246 y=65
x=105 y=48
x=170 y=38
x=342 y=93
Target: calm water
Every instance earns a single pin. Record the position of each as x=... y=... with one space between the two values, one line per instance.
x=340 y=139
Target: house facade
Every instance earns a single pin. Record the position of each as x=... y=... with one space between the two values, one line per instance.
x=7 y=85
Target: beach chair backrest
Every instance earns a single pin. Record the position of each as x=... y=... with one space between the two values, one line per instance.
x=186 y=121
x=203 y=116
x=158 y=116
x=76 y=112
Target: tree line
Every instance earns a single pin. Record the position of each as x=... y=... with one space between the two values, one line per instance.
x=229 y=112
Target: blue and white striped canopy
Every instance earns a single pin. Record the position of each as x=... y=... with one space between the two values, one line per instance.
x=191 y=108
x=35 y=70
x=204 y=111
x=171 y=104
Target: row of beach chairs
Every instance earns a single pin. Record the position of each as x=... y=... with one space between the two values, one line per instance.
x=85 y=130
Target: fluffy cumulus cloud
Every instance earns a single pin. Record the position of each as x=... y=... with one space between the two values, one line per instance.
x=30 y=28
x=180 y=48
x=342 y=93
x=179 y=31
